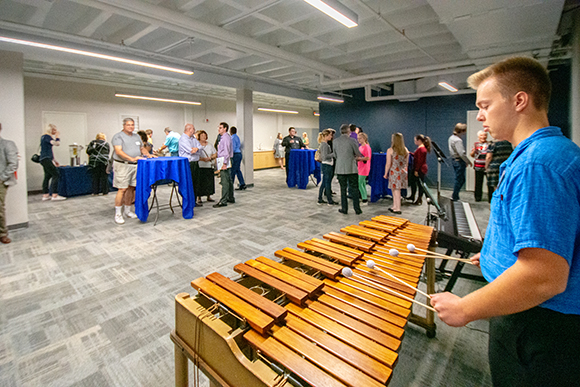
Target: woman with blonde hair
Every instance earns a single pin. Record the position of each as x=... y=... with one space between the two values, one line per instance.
x=279 y=150
x=396 y=169
x=98 y=151
x=305 y=139
x=49 y=164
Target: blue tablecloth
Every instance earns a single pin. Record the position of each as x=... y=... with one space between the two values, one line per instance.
x=150 y=171
x=380 y=185
x=75 y=181
x=301 y=166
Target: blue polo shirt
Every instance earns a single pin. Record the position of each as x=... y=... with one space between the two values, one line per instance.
x=172 y=143
x=537 y=205
x=236 y=143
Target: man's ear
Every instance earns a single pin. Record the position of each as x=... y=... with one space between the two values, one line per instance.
x=521 y=100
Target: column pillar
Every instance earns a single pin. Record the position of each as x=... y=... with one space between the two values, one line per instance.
x=12 y=119
x=245 y=125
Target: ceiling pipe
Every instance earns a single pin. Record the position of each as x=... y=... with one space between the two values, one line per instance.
x=479 y=63
x=391 y=73
x=370 y=98
x=407 y=77
x=178 y=22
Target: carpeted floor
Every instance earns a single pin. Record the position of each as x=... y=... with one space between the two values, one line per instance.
x=86 y=302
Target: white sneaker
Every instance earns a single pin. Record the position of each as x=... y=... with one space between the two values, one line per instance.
x=58 y=197
x=45 y=198
x=130 y=214
x=119 y=219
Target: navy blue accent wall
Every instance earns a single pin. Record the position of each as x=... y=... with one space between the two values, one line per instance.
x=559 y=111
x=434 y=117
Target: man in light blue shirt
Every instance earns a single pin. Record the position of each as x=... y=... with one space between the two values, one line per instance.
x=189 y=147
x=237 y=159
x=171 y=142
x=531 y=253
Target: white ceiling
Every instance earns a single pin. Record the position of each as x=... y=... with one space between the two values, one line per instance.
x=278 y=47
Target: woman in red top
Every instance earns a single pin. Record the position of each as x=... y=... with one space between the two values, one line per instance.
x=420 y=167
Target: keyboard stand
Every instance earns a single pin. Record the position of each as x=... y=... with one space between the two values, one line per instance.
x=456 y=273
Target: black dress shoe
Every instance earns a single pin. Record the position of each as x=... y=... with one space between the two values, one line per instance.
x=358 y=212
x=241 y=188
x=342 y=212
x=232 y=201
x=395 y=212
x=220 y=204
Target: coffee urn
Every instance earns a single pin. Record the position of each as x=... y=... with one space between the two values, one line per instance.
x=75 y=154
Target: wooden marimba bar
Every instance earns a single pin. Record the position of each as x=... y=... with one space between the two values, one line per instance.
x=300 y=322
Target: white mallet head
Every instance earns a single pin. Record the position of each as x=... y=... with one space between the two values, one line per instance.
x=411 y=247
x=347 y=272
x=394 y=252
x=371 y=264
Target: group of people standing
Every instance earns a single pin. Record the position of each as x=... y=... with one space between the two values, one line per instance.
x=349 y=157
x=129 y=147
x=488 y=156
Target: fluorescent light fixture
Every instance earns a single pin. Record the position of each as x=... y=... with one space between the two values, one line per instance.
x=157 y=99
x=316 y=114
x=330 y=99
x=277 y=111
x=93 y=55
x=448 y=86
x=336 y=10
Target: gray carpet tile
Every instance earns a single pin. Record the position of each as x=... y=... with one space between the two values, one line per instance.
x=85 y=302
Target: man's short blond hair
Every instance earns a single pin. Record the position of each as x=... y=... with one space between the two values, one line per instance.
x=518 y=74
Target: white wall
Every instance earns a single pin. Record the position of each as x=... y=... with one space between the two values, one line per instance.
x=104 y=110
x=267 y=125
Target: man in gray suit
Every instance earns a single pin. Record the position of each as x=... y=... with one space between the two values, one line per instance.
x=347 y=153
x=8 y=165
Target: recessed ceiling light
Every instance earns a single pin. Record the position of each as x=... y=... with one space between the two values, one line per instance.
x=448 y=86
x=330 y=99
x=336 y=10
x=277 y=111
x=157 y=99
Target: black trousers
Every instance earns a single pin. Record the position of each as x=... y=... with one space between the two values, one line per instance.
x=537 y=347
x=415 y=184
x=287 y=163
x=479 y=175
x=350 y=181
x=195 y=177
x=100 y=179
x=51 y=175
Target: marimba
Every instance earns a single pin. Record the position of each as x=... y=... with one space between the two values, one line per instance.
x=299 y=321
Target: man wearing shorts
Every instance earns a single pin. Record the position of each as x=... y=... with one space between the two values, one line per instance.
x=128 y=149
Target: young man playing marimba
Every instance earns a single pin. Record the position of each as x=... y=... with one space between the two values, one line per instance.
x=531 y=254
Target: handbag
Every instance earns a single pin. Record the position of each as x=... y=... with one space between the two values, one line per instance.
x=317 y=155
x=36 y=157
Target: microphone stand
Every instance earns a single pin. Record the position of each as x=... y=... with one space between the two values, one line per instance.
x=441 y=159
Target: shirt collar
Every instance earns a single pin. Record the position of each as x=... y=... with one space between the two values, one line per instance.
x=548 y=131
